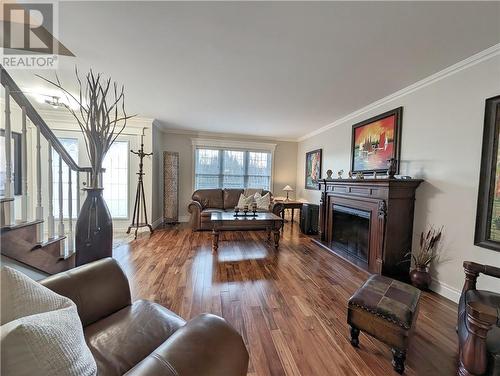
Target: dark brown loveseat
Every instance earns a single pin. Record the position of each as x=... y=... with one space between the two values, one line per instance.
x=207 y=201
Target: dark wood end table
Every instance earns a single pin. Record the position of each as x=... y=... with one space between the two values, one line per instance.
x=290 y=204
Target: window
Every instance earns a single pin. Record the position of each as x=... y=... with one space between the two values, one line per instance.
x=71 y=145
x=224 y=168
x=115 y=179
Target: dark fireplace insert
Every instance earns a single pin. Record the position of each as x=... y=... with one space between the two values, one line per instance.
x=351 y=232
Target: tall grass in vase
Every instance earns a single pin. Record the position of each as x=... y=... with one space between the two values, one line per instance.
x=422 y=259
x=101 y=117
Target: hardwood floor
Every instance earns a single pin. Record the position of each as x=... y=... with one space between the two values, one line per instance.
x=289 y=305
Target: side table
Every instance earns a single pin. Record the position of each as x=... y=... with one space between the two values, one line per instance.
x=291 y=205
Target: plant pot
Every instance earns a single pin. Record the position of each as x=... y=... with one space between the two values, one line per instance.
x=420 y=278
x=94 y=229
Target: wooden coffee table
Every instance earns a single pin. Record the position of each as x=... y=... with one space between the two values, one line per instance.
x=228 y=222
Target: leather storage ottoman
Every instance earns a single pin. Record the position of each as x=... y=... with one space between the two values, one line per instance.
x=387 y=310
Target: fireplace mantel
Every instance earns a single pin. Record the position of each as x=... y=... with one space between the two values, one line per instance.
x=390 y=204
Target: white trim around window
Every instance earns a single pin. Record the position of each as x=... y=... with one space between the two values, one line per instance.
x=233 y=145
x=229 y=144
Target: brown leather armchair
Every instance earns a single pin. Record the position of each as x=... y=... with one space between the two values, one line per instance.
x=479 y=324
x=207 y=201
x=142 y=337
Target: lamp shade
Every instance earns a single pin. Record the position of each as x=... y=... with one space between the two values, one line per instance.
x=288 y=188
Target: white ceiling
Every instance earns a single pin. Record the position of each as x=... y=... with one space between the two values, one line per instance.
x=274 y=69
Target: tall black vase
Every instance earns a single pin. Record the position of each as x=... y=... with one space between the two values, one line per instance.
x=94 y=229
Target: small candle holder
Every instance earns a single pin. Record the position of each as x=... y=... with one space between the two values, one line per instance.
x=245 y=209
x=254 y=208
x=236 y=211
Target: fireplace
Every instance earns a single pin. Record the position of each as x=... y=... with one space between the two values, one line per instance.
x=351 y=232
x=369 y=222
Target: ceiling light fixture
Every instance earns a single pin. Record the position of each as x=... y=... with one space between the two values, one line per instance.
x=54 y=102
x=53 y=98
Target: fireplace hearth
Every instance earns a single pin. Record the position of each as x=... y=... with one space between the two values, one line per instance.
x=369 y=222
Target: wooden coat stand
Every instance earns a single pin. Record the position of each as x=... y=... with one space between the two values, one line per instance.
x=140 y=201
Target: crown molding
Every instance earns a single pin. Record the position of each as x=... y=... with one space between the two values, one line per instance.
x=455 y=68
x=59 y=117
x=189 y=132
x=236 y=144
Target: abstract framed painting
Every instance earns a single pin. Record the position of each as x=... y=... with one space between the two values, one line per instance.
x=313 y=168
x=487 y=233
x=375 y=141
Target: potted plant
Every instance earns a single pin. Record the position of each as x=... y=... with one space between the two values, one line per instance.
x=100 y=114
x=427 y=252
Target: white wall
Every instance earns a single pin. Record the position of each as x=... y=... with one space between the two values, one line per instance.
x=441 y=143
x=285 y=157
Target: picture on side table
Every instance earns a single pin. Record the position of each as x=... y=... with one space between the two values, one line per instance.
x=488 y=204
x=375 y=141
x=313 y=168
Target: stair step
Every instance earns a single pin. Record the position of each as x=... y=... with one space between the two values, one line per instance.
x=6 y=199
x=44 y=257
x=49 y=241
x=19 y=225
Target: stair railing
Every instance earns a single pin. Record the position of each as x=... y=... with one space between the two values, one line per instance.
x=53 y=144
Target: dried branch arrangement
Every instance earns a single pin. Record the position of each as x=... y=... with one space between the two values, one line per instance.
x=428 y=247
x=101 y=115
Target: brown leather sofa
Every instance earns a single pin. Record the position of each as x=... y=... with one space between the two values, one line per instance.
x=142 y=337
x=479 y=324
x=207 y=201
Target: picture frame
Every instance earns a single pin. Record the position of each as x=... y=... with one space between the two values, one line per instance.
x=487 y=232
x=375 y=141
x=314 y=160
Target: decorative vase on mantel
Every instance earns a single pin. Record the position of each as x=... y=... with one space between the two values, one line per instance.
x=94 y=229
x=421 y=278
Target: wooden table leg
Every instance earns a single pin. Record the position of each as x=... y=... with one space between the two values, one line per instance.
x=215 y=240
x=293 y=211
x=276 y=233
x=268 y=234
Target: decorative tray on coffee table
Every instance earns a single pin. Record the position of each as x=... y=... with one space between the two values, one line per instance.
x=248 y=214
x=244 y=213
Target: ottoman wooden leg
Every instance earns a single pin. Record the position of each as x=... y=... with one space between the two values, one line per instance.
x=398 y=361
x=354 y=336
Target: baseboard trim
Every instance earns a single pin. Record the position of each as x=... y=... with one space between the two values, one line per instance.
x=445 y=290
x=184 y=218
x=160 y=221
x=157 y=223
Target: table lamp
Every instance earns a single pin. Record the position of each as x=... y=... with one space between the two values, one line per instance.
x=287 y=189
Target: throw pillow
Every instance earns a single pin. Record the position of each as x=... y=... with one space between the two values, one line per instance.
x=263 y=202
x=41 y=333
x=252 y=191
x=244 y=201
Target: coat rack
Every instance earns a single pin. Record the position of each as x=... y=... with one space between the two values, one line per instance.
x=140 y=201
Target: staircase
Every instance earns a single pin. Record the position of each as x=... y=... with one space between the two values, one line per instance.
x=35 y=241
